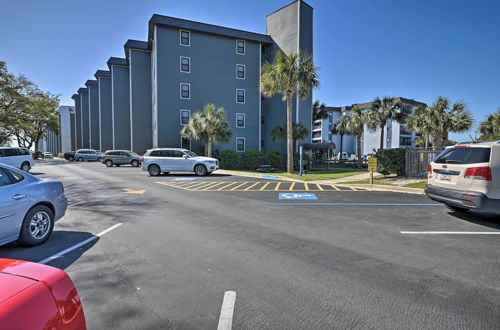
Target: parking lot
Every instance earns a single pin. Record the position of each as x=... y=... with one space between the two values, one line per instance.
x=162 y=252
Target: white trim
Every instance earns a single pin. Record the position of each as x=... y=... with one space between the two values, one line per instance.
x=180 y=38
x=180 y=64
x=81 y=123
x=244 y=120
x=244 y=71
x=113 y=106
x=244 y=47
x=180 y=91
x=154 y=94
x=130 y=100
x=180 y=116
x=244 y=144
x=244 y=95
x=100 y=116
x=260 y=98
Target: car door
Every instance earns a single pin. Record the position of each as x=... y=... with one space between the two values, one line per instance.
x=14 y=203
x=123 y=157
x=10 y=157
x=179 y=163
x=164 y=160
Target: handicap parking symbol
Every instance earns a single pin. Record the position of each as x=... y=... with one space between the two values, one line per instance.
x=184 y=179
x=296 y=196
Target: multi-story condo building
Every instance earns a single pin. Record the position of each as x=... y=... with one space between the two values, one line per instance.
x=145 y=98
x=396 y=136
x=65 y=140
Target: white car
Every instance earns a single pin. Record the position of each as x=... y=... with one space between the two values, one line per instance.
x=467 y=176
x=17 y=157
x=166 y=160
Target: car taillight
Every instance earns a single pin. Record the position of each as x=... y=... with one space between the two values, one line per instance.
x=429 y=169
x=142 y=159
x=478 y=173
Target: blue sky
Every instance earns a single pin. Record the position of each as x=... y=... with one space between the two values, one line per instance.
x=364 y=48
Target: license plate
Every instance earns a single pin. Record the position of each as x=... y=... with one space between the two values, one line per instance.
x=444 y=177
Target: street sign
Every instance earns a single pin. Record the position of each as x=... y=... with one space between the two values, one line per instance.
x=296 y=196
x=372 y=164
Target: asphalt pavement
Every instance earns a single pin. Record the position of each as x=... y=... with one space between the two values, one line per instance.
x=160 y=257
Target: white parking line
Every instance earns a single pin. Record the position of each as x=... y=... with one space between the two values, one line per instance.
x=450 y=232
x=76 y=246
x=226 y=312
x=71 y=205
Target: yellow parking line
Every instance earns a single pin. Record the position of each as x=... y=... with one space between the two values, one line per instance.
x=256 y=183
x=183 y=184
x=292 y=185
x=319 y=186
x=265 y=185
x=212 y=186
x=306 y=185
x=244 y=183
x=353 y=188
x=206 y=184
x=192 y=185
x=277 y=186
x=335 y=187
x=228 y=185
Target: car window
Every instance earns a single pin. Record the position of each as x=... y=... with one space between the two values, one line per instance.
x=123 y=153
x=25 y=152
x=11 y=152
x=4 y=178
x=165 y=153
x=464 y=156
x=190 y=153
x=177 y=153
x=15 y=176
x=154 y=153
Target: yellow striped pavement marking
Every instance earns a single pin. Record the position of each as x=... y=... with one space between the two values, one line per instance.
x=249 y=187
x=264 y=186
x=277 y=186
x=228 y=185
x=306 y=185
x=213 y=186
x=352 y=188
x=319 y=186
x=291 y=186
x=196 y=184
x=244 y=183
x=335 y=187
x=206 y=184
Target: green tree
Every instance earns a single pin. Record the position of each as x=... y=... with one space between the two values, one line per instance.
x=279 y=133
x=209 y=125
x=319 y=110
x=490 y=127
x=353 y=124
x=340 y=128
x=383 y=110
x=289 y=75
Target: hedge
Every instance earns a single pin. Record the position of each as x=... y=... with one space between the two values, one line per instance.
x=391 y=161
x=251 y=159
x=273 y=158
x=229 y=159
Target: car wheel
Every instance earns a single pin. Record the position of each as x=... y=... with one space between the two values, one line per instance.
x=80 y=159
x=200 y=170
x=154 y=170
x=109 y=163
x=99 y=159
x=37 y=226
x=135 y=163
x=71 y=158
x=25 y=167
x=457 y=208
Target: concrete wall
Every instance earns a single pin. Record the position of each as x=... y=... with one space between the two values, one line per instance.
x=105 y=112
x=213 y=80
x=120 y=106
x=94 y=116
x=140 y=101
x=84 y=105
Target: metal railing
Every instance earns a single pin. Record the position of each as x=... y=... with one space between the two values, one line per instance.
x=418 y=159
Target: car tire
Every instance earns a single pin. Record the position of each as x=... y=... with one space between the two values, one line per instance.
x=135 y=163
x=99 y=159
x=71 y=158
x=80 y=159
x=200 y=170
x=109 y=163
x=25 y=167
x=154 y=170
x=457 y=208
x=37 y=226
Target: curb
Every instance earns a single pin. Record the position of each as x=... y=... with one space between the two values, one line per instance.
x=379 y=187
x=260 y=176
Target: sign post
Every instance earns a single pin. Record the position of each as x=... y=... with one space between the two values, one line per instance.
x=372 y=167
x=300 y=162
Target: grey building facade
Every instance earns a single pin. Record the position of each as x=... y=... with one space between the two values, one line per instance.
x=120 y=102
x=85 y=123
x=105 y=110
x=93 y=94
x=78 y=122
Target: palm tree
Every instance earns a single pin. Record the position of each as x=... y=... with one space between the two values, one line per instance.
x=354 y=125
x=319 y=110
x=421 y=122
x=340 y=128
x=289 y=75
x=209 y=125
x=381 y=111
x=300 y=132
x=490 y=127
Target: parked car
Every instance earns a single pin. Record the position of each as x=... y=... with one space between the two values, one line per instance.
x=467 y=176
x=29 y=206
x=88 y=155
x=18 y=157
x=121 y=157
x=48 y=155
x=70 y=155
x=36 y=296
x=166 y=160
x=343 y=156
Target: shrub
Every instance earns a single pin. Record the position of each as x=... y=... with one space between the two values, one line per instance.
x=251 y=159
x=273 y=158
x=391 y=161
x=228 y=159
x=305 y=158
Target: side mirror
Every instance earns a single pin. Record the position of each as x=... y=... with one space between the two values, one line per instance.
x=185 y=156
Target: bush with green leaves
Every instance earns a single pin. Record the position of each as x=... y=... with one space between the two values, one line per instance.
x=391 y=161
x=305 y=159
x=229 y=159
x=251 y=159
x=273 y=158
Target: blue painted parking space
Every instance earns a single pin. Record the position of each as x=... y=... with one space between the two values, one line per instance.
x=297 y=196
x=184 y=179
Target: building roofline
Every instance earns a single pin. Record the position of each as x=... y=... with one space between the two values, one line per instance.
x=91 y=83
x=135 y=44
x=75 y=96
x=117 y=61
x=291 y=3
x=82 y=90
x=206 y=28
x=102 y=73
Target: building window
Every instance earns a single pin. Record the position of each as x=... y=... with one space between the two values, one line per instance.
x=240 y=120
x=185 y=38
x=185 y=91
x=405 y=141
x=240 y=96
x=240 y=71
x=185 y=116
x=185 y=64
x=240 y=144
x=240 y=47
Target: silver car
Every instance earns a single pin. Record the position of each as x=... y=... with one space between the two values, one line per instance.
x=166 y=160
x=29 y=206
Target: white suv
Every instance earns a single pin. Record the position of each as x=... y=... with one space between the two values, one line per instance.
x=165 y=160
x=17 y=157
x=467 y=176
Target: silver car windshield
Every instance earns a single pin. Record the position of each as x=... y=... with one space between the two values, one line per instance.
x=190 y=153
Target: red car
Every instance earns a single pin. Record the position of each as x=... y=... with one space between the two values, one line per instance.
x=36 y=296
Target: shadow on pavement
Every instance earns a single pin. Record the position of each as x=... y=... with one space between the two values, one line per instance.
x=59 y=241
x=479 y=218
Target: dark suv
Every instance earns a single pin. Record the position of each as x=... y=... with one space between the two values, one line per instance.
x=121 y=157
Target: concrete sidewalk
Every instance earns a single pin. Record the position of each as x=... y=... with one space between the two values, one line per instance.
x=356 y=177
